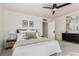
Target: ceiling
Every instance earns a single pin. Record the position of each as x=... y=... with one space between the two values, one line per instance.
x=36 y=9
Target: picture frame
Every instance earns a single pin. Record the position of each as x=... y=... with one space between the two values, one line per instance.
x=72 y=23
x=24 y=23
x=31 y=24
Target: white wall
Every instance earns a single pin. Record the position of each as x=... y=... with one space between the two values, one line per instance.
x=13 y=21
x=60 y=23
x=51 y=29
x=60 y=27
x=1 y=28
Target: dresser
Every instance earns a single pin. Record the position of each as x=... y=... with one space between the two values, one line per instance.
x=72 y=37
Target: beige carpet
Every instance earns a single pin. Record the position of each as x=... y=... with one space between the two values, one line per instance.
x=68 y=49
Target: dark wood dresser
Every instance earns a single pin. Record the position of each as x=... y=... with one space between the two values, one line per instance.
x=10 y=43
x=73 y=37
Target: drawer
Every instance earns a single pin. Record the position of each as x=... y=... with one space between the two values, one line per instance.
x=9 y=44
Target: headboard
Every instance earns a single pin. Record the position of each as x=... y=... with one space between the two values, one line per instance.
x=18 y=30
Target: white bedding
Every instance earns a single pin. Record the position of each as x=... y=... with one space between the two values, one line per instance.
x=36 y=47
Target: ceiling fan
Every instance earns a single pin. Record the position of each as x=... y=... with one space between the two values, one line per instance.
x=55 y=7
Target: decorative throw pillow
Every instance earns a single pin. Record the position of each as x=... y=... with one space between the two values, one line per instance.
x=32 y=35
x=25 y=35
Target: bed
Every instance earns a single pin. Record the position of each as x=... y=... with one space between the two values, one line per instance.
x=36 y=47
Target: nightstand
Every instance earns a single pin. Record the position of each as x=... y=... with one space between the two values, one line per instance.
x=10 y=43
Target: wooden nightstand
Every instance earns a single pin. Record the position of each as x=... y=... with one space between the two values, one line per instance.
x=10 y=43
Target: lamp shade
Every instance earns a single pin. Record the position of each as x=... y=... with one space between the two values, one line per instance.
x=12 y=35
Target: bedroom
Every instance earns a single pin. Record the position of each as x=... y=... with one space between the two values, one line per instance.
x=36 y=20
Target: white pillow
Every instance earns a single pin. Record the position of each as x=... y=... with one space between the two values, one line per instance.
x=26 y=35
x=23 y=31
x=37 y=35
x=19 y=37
x=22 y=35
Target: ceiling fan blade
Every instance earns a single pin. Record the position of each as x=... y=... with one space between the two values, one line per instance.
x=53 y=12
x=54 y=6
x=63 y=5
x=48 y=7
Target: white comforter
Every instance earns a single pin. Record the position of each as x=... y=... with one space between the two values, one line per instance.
x=36 y=47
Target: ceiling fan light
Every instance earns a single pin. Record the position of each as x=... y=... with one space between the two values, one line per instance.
x=54 y=9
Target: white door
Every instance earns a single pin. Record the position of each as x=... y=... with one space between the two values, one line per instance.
x=51 y=30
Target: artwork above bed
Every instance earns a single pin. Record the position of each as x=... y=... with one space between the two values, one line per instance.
x=26 y=23
x=31 y=24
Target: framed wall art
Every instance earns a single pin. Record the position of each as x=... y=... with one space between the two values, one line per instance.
x=31 y=24
x=72 y=23
x=24 y=23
